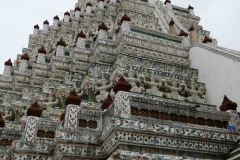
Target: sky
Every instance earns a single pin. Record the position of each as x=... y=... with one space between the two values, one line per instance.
x=18 y=17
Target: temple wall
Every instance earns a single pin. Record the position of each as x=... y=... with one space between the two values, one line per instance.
x=220 y=74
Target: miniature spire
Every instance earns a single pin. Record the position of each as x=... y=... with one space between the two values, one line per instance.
x=61 y=43
x=207 y=40
x=8 y=68
x=191 y=10
x=172 y=29
x=81 y=40
x=117 y=30
x=66 y=16
x=35 y=29
x=125 y=24
x=122 y=85
x=25 y=57
x=89 y=8
x=73 y=98
x=102 y=32
x=125 y=18
x=193 y=34
x=45 y=26
x=228 y=105
x=56 y=17
x=103 y=27
x=167 y=1
x=8 y=63
x=42 y=50
x=77 y=9
x=101 y=4
x=77 y=12
x=55 y=22
x=60 y=48
x=183 y=34
x=67 y=13
x=62 y=117
x=36 y=26
x=41 y=55
x=46 y=22
x=171 y=23
x=190 y=7
x=81 y=35
x=35 y=110
x=191 y=28
x=168 y=4
x=2 y=122
x=106 y=103
x=24 y=62
x=89 y=4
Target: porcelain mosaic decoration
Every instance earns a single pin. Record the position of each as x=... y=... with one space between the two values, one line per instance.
x=112 y=80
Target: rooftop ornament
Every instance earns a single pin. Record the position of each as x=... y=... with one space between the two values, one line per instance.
x=35 y=110
x=89 y=4
x=190 y=7
x=171 y=23
x=125 y=18
x=61 y=43
x=62 y=117
x=36 y=26
x=67 y=14
x=207 y=40
x=2 y=122
x=167 y=1
x=56 y=17
x=81 y=35
x=77 y=9
x=73 y=98
x=228 y=105
x=25 y=57
x=8 y=63
x=183 y=34
x=122 y=85
x=42 y=50
x=106 y=103
x=117 y=30
x=46 y=22
x=103 y=27
x=191 y=28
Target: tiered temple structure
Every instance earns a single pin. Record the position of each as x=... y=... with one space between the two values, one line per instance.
x=113 y=80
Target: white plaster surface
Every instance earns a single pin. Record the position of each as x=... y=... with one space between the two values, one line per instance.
x=220 y=74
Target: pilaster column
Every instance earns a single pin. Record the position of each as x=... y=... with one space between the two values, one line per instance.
x=41 y=56
x=45 y=26
x=89 y=8
x=66 y=17
x=71 y=119
x=77 y=12
x=81 y=40
x=7 y=69
x=30 y=129
x=24 y=62
x=35 y=30
x=125 y=24
x=60 y=48
x=122 y=104
x=55 y=22
x=102 y=32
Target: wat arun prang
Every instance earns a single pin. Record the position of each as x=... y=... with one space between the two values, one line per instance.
x=112 y=80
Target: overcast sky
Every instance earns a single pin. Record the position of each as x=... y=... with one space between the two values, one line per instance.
x=19 y=16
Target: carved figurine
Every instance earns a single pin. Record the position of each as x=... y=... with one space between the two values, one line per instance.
x=103 y=90
x=174 y=91
x=194 y=94
x=133 y=81
x=153 y=84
